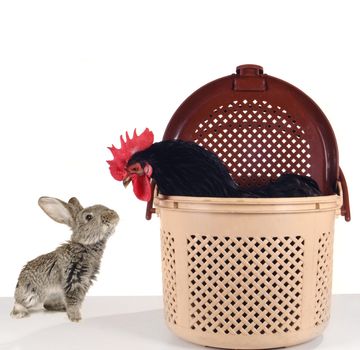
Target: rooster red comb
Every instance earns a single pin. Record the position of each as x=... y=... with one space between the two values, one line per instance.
x=128 y=148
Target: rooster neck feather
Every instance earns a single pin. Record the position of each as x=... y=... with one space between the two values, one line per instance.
x=184 y=168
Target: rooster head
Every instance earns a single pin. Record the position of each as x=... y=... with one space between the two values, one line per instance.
x=137 y=173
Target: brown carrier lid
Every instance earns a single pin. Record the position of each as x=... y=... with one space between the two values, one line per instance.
x=261 y=127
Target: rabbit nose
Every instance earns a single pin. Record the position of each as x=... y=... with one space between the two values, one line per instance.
x=109 y=216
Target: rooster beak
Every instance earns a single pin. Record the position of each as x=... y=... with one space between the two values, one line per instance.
x=126 y=181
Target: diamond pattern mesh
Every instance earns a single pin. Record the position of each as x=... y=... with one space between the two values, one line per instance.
x=324 y=278
x=169 y=276
x=256 y=141
x=245 y=285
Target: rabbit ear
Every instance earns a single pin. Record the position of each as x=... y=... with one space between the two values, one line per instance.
x=57 y=210
x=74 y=206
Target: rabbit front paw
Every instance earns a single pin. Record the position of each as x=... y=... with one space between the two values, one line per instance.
x=73 y=314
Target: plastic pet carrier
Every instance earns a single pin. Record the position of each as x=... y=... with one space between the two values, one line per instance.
x=250 y=273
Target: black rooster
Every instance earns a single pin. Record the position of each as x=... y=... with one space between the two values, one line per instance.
x=183 y=168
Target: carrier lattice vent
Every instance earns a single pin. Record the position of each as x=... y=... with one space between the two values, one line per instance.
x=256 y=141
x=169 y=276
x=245 y=285
x=323 y=278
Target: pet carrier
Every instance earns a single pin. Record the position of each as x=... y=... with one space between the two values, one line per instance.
x=250 y=273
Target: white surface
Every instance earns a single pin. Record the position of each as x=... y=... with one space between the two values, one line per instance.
x=138 y=323
x=75 y=74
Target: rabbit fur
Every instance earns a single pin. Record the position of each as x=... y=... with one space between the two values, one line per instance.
x=60 y=280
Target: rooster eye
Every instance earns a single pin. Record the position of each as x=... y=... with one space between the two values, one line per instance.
x=135 y=168
x=88 y=217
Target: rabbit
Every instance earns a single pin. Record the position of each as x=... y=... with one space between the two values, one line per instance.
x=60 y=280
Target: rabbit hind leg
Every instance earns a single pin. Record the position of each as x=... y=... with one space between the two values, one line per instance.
x=22 y=305
x=19 y=311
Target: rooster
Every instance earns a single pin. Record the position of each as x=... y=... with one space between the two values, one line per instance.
x=183 y=168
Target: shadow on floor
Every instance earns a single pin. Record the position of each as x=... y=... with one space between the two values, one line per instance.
x=140 y=330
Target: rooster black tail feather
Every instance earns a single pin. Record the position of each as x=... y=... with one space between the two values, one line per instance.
x=290 y=185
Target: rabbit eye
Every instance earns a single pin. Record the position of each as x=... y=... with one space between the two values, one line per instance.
x=88 y=217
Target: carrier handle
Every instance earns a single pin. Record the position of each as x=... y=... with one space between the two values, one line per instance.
x=150 y=207
x=249 y=77
x=345 y=209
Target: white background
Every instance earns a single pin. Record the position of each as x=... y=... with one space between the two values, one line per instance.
x=74 y=75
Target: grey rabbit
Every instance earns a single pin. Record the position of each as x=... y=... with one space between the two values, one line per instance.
x=60 y=280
